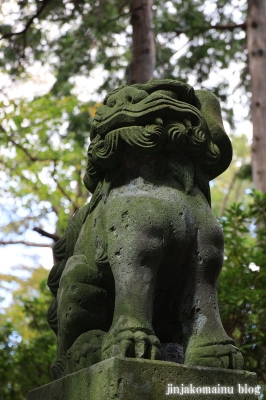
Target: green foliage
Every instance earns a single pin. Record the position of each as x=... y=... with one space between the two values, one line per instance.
x=198 y=40
x=89 y=34
x=83 y=35
x=241 y=290
x=43 y=146
x=26 y=342
x=231 y=186
x=6 y=362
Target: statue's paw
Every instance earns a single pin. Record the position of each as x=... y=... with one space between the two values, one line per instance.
x=85 y=351
x=59 y=367
x=135 y=344
x=216 y=356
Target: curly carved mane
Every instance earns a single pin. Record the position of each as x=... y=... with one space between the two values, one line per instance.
x=187 y=136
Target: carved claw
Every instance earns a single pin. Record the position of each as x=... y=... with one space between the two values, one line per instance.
x=136 y=344
x=216 y=356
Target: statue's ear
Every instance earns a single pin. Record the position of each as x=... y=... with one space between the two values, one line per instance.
x=210 y=108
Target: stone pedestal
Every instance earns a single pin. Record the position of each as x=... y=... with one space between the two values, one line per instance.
x=121 y=378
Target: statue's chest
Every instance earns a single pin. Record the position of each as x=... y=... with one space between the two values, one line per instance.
x=166 y=191
x=180 y=216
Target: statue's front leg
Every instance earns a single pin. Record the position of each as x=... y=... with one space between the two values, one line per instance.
x=135 y=252
x=206 y=341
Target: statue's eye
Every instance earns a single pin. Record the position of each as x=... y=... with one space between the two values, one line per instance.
x=111 y=102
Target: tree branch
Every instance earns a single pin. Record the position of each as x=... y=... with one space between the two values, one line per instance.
x=28 y=24
x=64 y=193
x=27 y=153
x=61 y=189
x=7 y=242
x=120 y=14
x=53 y=236
x=228 y=27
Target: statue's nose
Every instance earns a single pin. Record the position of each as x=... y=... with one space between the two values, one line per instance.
x=126 y=96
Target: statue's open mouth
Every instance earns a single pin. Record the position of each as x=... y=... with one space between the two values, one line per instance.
x=155 y=105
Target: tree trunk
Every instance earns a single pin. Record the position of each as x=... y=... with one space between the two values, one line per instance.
x=256 y=41
x=143 y=47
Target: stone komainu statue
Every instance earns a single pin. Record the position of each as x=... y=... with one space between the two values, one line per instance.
x=138 y=265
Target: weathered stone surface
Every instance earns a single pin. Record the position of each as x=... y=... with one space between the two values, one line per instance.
x=131 y=379
x=139 y=265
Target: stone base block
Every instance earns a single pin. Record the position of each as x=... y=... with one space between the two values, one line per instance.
x=122 y=378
